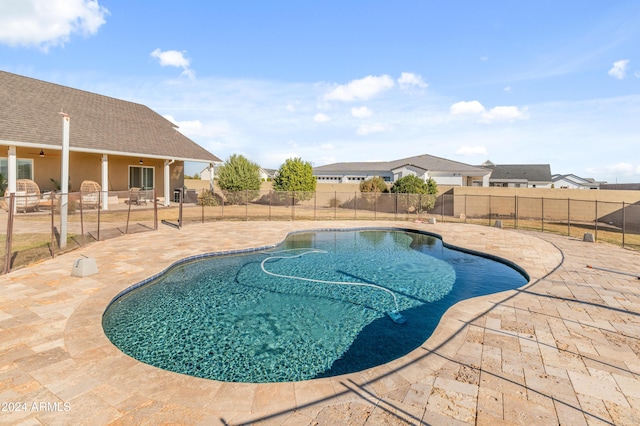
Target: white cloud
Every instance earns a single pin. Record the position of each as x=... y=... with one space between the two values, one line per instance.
x=472 y=150
x=637 y=74
x=321 y=118
x=408 y=80
x=367 y=129
x=503 y=113
x=507 y=89
x=499 y=113
x=464 y=107
x=291 y=108
x=48 y=23
x=484 y=58
x=361 y=89
x=361 y=112
x=174 y=58
x=619 y=69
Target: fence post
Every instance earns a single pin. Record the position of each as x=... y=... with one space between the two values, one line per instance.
x=568 y=217
x=202 y=194
x=315 y=204
x=53 y=234
x=516 y=209
x=624 y=220
x=465 y=208
x=490 y=210
x=542 y=218
x=81 y=222
x=155 y=210
x=126 y=229
x=100 y=208
x=355 y=205
x=270 y=201
x=335 y=205
x=180 y=209
x=596 y=221
x=375 y=204
x=246 y=204
x=395 y=214
x=7 y=257
x=442 y=207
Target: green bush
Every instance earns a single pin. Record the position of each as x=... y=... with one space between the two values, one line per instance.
x=208 y=199
x=296 y=176
x=420 y=195
x=239 y=179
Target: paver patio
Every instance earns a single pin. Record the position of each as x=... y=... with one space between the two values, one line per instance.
x=565 y=349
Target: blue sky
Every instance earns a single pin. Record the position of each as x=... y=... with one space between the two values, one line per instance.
x=333 y=81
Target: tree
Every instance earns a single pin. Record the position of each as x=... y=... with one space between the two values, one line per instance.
x=420 y=196
x=371 y=190
x=239 y=179
x=296 y=176
x=375 y=184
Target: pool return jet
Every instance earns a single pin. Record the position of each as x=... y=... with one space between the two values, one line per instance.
x=394 y=315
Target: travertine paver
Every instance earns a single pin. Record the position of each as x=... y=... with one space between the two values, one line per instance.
x=565 y=349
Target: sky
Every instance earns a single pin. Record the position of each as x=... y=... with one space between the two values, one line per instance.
x=513 y=82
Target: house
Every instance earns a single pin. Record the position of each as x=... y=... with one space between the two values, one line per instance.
x=519 y=175
x=443 y=171
x=117 y=143
x=571 y=181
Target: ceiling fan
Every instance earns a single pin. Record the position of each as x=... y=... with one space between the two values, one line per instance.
x=47 y=153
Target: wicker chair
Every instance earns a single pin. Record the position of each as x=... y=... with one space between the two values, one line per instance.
x=90 y=193
x=27 y=195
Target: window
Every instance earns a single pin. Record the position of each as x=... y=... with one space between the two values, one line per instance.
x=141 y=177
x=24 y=168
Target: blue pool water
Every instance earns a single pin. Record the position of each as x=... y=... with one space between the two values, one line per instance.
x=236 y=318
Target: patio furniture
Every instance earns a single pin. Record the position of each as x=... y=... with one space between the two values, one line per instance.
x=27 y=195
x=90 y=193
x=137 y=196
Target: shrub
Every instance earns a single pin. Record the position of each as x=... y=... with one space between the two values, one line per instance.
x=296 y=176
x=420 y=196
x=239 y=179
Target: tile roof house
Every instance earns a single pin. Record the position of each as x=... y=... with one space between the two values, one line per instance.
x=116 y=143
x=443 y=171
x=519 y=175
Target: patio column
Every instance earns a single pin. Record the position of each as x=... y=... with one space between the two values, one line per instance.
x=105 y=182
x=64 y=181
x=12 y=169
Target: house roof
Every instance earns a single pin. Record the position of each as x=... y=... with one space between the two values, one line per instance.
x=520 y=172
x=29 y=113
x=425 y=161
x=575 y=180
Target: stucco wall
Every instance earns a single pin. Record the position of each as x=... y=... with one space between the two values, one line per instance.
x=87 y=166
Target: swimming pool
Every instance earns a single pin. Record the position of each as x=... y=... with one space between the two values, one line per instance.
x=277 y=314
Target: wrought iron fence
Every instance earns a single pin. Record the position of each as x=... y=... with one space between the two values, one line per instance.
x=32 y=227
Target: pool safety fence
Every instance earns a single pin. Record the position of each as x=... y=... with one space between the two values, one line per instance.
x=32 y=230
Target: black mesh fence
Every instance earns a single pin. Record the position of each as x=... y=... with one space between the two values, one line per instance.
x=32 y=226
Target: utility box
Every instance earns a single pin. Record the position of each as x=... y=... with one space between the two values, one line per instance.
x=84 y=267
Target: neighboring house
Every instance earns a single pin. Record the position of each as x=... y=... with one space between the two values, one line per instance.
x=267 y=174
x=443 y=171
x=571 y=181
x=519 y=175
x=119 y=144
